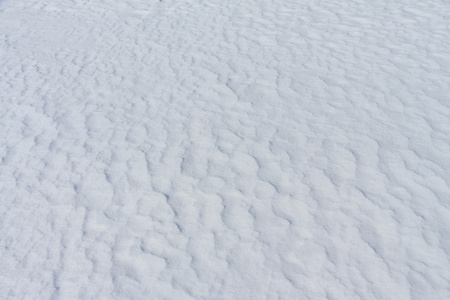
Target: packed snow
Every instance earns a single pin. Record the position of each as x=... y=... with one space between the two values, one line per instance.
x=211 y=149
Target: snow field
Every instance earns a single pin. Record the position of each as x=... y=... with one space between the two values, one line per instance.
x=224 y=149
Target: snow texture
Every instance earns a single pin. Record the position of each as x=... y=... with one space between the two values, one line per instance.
x=206 y=149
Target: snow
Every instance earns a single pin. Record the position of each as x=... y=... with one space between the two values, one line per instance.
x=224 y=149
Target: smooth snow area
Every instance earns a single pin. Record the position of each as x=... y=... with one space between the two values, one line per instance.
x=206 y=149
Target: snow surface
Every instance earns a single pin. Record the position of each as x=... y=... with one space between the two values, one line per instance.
x=289 y=149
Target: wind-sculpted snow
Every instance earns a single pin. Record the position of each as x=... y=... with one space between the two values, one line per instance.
x=224 y=149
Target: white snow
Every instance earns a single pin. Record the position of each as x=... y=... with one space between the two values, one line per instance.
x=207 y=149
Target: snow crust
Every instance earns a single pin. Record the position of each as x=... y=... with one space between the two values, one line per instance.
x=224 y=149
